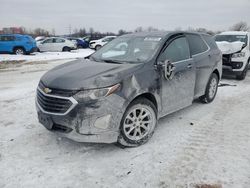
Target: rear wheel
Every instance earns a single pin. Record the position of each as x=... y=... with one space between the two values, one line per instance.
x=79 y=46
x=211 y=89
x=19 y=51
x=66 y=49
x=138 y=123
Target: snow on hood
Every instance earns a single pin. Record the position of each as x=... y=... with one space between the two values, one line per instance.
x=230 y=47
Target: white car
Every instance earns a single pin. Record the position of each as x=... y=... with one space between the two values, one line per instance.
x=56 y=44
x=40 y=38
x=235 y=48
x=97 y=44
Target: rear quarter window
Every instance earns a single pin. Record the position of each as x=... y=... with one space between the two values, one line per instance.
x=210 y=41
x=196 y=43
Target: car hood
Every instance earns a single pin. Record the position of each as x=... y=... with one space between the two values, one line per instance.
x=86 y=74
x=230 y=47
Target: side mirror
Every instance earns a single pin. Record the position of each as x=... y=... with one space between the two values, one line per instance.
x=169 y=70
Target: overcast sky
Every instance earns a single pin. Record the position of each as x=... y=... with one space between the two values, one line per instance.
x=112 y=15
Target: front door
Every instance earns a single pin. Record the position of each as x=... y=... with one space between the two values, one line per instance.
x=178 y=80
x=47 y=45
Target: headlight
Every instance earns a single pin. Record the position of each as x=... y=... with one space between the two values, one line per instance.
x=96 y=93
x=238 y=55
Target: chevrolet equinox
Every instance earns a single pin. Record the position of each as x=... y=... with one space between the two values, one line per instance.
x=118 y=93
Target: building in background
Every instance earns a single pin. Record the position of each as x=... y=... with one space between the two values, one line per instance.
x=12 y=30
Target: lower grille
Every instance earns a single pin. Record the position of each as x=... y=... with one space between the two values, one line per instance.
x=61 y=128
x=53 y=104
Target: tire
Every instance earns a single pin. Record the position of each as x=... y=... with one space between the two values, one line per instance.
x=211 y=89
x=79 y=46
x=19 y=51
x=98 y=47
x=242 y=76
x=138 y=123
x=66 y=49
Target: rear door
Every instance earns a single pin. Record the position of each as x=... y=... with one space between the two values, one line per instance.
x=201 y=54
x=177 y=91
x=58 y=44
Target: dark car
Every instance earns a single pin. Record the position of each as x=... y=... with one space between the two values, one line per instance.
x=17 y=44
x=79 y=43
x=120 y=91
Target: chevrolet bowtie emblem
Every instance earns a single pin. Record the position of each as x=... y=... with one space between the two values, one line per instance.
x=47 y=90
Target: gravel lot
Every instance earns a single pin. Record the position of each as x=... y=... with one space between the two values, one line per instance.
x=202 y=144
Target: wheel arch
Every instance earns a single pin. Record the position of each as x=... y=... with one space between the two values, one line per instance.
x=15 y=47
x=217 y=73
x=148 y=96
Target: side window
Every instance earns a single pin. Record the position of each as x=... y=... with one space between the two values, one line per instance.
x=48 y=41
x=197 y=45
x=58 y=40
x=7 y=38
x=177 y=50
x=108 y=39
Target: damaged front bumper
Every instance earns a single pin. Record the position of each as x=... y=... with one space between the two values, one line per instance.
x=93 y=121
x=232 y=65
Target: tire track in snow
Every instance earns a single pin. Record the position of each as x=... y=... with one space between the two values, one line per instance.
x=187 y=168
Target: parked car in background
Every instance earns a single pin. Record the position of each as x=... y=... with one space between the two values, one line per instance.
x=40 y=38
x=79 y=42
x=235 y=47
x=87 y=39
x=97 y=44
x=56 y=44
x=118 y=94
x=17 y=44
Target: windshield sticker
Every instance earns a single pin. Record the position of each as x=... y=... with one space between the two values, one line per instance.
x=155 y=39
x=241 y=37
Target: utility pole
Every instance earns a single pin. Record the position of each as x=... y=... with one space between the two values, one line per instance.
x=69 y=29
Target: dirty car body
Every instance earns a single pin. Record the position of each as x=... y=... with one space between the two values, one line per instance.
x=87 y=100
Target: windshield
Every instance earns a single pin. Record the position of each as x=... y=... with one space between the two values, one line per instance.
x=231 y=38
x=128 y=50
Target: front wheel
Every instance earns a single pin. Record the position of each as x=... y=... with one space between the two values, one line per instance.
x=138 y=123
x=211 y=89
x=98 y=47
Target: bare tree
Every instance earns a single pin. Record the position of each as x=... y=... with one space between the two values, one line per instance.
x=139 y=29
x=240 y=26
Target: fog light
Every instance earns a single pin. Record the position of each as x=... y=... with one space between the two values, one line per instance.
x=102 y=122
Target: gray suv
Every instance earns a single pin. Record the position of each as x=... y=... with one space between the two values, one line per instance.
x=118 y=93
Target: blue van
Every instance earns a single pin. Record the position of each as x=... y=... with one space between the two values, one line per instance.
x=17 y=44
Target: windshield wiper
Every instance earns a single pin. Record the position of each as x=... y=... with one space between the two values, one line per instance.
x=112 y=61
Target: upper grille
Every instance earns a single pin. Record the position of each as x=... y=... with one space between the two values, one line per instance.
x=59 y=92
x=53 y=104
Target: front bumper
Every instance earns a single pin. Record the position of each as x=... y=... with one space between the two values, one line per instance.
x=34 y=49
x=228 y=70
x=92 y=121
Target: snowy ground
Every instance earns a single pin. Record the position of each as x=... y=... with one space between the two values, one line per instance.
x=200 y=144
x=45 y=56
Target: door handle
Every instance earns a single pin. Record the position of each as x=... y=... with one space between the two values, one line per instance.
x=189 y=66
